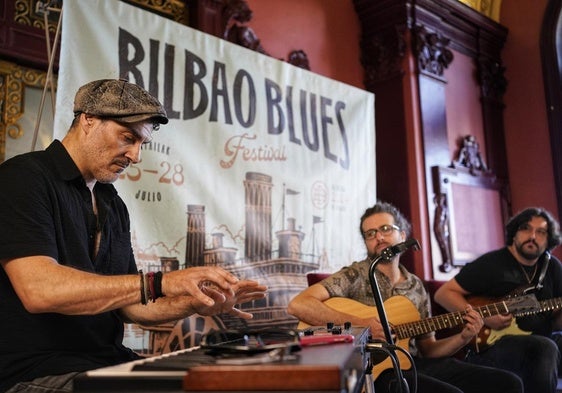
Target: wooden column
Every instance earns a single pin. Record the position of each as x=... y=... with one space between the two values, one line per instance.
x=406 y=46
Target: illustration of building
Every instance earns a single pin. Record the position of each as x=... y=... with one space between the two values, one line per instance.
x=283 y=270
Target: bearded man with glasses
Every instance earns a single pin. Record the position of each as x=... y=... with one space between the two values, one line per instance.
x=383 y=226
x=524 y=265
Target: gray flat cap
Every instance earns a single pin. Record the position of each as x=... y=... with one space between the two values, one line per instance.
x=119 y=100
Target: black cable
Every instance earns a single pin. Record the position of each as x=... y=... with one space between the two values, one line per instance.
x=414 y=370
x=389 y=352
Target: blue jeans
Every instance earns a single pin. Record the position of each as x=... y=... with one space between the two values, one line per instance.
x=534 y=358
x=49 y=384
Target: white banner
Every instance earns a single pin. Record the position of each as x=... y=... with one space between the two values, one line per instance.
x=264 y=168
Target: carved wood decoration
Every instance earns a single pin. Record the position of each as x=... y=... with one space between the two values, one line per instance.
x=237 y=15
x=492 y=78
x=441 y=228
x=32 y=13
x=23 y=34
x=469 y=191
x=382 y=56
x=469 y=156
x=431 y=50
x=172 y=9
x=493 y=84
x=298 y=58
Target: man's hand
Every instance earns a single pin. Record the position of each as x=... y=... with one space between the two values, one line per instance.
x=474 y=323
x=190 y=282
x=225 y=300
x=375 y=327
x=499 y=322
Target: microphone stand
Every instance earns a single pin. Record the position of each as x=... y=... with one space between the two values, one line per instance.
x=389 y=348
x=378 y=299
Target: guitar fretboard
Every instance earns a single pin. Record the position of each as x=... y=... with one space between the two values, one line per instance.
x=492 y=309
x=445 y=321
x=427 y=325
x=515 y=305
x=544 y=305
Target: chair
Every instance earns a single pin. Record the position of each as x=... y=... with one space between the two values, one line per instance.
x=313 y=278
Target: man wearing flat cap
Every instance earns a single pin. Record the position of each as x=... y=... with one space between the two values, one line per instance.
x=69 y=279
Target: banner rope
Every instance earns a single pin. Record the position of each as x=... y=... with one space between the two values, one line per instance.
x=49 y=83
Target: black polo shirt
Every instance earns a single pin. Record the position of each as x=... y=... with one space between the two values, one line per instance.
x=46 y=209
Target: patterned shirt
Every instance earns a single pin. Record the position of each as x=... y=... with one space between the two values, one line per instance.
x=353 y=282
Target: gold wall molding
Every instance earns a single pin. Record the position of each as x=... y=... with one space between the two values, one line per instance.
x=28 y=13
x=171 y=9
x=490 y=8
x=13 y=81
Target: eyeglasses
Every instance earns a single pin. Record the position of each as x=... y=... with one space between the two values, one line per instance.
x=384 y=230
x=529 y=229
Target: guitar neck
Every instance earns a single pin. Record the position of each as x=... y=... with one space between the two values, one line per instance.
x=445 y=321
x=544 y=306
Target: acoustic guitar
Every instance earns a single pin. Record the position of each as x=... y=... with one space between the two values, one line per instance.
x=405 y=321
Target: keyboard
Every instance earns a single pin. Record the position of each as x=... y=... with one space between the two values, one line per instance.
x=336 y=367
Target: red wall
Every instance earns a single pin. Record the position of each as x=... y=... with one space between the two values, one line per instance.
x=327 y=31
x=526 y=126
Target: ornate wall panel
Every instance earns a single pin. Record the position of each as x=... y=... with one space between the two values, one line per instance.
x=406 y=46
x=171 y=9
x=13 y=81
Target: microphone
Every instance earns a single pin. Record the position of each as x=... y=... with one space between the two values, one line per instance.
x=390 y=252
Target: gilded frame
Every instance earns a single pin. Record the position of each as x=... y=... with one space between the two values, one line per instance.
x=13 y=81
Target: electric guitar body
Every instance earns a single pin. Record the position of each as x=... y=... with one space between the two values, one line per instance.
x=488 y=336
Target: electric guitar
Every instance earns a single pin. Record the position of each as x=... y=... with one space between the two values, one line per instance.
x=488 y=336
x=405 y=321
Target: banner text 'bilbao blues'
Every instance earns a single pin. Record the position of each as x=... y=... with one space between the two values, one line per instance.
x=311 y=120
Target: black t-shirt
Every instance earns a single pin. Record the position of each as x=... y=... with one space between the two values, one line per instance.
x=46 y=209
x=497 y=274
